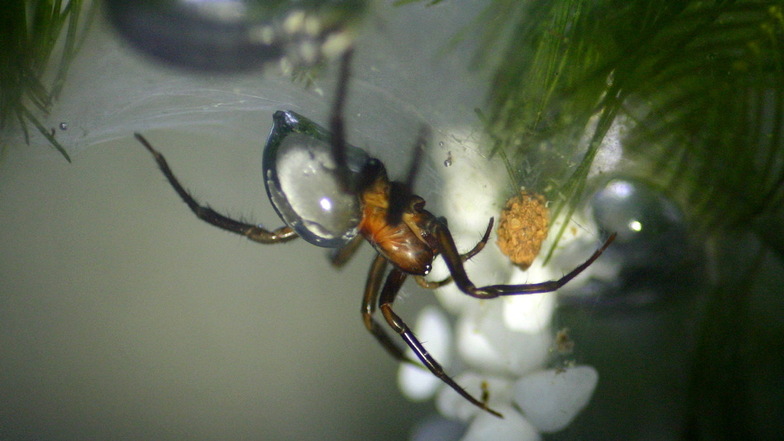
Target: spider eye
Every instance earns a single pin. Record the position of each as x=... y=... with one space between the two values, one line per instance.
x=302 y=182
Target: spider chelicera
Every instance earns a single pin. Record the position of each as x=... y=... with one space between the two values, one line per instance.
x=333 y=195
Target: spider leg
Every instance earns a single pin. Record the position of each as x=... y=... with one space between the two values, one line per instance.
x=432 y=284
x=252 y=232
x=423 y=139
x=392 y=285
x=337 y=127
x=479 y=245
x=369 y=300
x=424 y=283
x=339 y=256
x=400 y=193
x=454 y=262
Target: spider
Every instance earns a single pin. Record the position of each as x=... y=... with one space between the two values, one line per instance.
x=333 y=195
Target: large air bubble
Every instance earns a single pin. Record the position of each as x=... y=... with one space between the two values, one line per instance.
x=302 y=181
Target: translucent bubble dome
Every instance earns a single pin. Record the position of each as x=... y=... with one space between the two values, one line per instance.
x=302 y=182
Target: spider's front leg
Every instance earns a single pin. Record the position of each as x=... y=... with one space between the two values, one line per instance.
x=424 y=283
x=391 y=287
x=336 y=123
x=401 y=195
x=454 y=262
x=207 y=214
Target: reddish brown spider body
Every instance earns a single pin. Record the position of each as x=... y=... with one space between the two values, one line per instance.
x=406 y=244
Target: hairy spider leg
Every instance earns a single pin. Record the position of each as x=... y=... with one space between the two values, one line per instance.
x=454 y=262
x=391 y=287
x=428 y=284
x=252 y=232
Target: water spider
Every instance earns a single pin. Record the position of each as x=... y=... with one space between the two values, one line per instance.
x=334 y=195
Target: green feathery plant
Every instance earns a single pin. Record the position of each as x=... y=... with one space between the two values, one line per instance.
x=39 y=39
x=700 y=87
x=700 y=84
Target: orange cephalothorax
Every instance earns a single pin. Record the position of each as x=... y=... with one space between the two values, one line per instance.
x=405 y=244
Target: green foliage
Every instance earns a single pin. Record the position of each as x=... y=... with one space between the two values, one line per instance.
x=699 y=83
x=31 y=76
x=700 y=86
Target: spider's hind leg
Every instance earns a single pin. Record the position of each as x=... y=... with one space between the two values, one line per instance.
x=391 y=287
x=369 y=301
